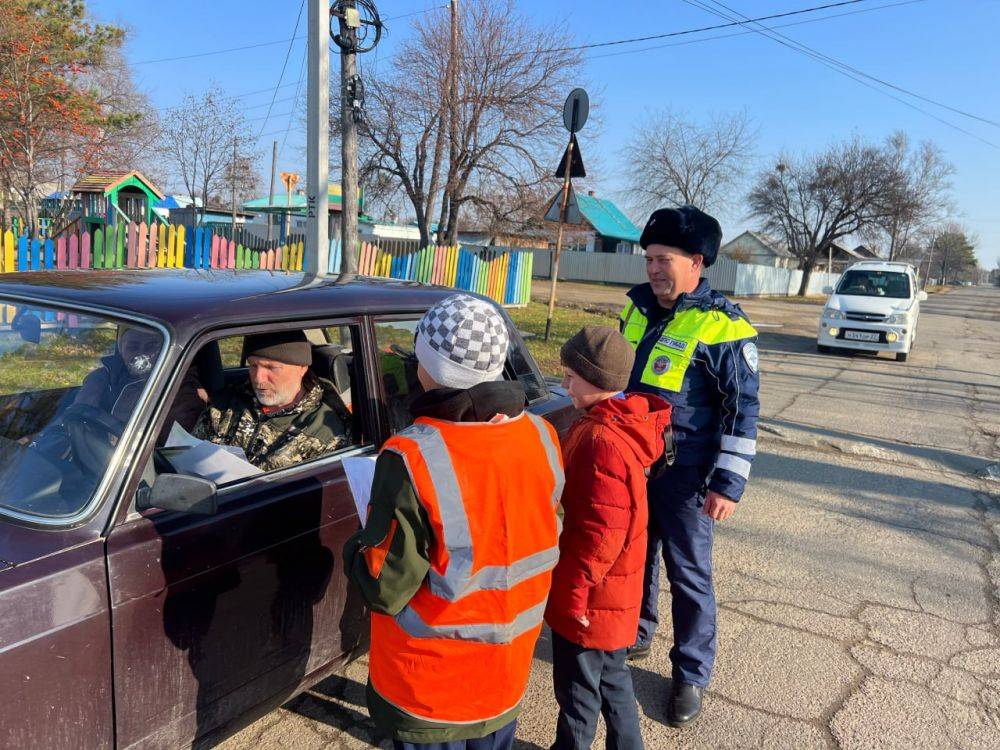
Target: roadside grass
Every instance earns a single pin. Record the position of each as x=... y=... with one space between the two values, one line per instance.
x=530 y=321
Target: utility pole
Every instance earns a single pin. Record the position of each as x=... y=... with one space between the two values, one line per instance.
x=232 y=185
x=270 y=195
x=318 y=140
x=452 y=122
x=348 y=41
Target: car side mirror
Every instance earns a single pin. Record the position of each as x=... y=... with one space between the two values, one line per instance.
x=828 y=290
x=179 y=492
x=921 y=295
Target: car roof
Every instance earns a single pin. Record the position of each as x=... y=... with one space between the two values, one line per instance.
x=880 y=265
x=190 y=301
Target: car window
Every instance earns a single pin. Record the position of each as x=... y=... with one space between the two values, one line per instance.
x=860 y=283
x=237 y=415
x=70 y=383
x=398 y=368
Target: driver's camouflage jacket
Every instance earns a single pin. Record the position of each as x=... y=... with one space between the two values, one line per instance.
x=318 y=424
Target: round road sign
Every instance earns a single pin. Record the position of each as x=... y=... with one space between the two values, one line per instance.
x=575 y=110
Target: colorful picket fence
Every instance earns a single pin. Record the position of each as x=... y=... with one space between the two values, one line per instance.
x=501 y=274
x=141 y=246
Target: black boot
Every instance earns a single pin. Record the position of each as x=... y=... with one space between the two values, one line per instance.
x=684 y=704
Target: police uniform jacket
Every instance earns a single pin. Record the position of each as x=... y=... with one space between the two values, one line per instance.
x=701 y=356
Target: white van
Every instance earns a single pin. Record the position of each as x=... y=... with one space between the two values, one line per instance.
x=874 y=308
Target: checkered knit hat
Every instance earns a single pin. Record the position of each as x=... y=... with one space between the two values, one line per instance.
x=462 y=341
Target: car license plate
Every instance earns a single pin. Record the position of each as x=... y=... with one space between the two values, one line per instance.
x=861 y=336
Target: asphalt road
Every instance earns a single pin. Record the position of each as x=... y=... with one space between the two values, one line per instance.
x=859 y=580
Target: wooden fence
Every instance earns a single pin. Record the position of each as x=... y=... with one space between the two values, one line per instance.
x=502 y=274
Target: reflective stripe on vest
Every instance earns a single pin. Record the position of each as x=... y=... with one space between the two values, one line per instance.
x=488 y=491
x=671 y=355
x=458 y=579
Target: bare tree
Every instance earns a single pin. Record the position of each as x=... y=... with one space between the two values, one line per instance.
x=675 y=161
x=506 y=112
x=197 y=143
x=814 y=201
x=951 y=253
x=920 y=198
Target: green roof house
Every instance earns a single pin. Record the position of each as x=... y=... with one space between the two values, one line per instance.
x=605 y=228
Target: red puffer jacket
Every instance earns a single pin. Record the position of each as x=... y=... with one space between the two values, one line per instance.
x=602 y=549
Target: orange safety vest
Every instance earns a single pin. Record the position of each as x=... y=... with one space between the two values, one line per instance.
x=461 y=650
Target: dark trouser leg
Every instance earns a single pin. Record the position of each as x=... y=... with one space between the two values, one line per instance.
x=687 y=551
x=621 y=714
x=501 y=739
x=576 y=676
x=649 y=616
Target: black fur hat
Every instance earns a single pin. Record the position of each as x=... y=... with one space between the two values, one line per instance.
x=687 y=228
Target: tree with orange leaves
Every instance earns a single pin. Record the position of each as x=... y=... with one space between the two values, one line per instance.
x=54 y=118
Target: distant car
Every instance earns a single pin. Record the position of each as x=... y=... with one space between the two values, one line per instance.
x=141 y=607
x=874 y=308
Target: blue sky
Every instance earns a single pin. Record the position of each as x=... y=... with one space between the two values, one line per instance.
x=942 y=49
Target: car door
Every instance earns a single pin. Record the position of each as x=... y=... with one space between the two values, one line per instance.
x=218 y=618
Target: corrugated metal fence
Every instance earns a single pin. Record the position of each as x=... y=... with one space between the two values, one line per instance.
x=725 y=275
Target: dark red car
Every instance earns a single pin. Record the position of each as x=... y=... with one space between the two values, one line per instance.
x=141 y=607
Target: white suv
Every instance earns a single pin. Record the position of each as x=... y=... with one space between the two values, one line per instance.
x=874 y=308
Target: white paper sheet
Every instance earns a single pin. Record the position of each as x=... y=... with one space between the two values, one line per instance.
x=214 y=462
x=360 y=471
x=220 y=463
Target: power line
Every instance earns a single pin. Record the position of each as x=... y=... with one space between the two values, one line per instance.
x=751 y=31
x=685 y=32
x=218 y=51
x=298 y=85
x=837 y=66
x=414 y=13
x=870 y=77
x=288 y=53
x=258 y=45
x=231 y=96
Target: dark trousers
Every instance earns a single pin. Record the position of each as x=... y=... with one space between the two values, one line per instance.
x=679 y=528
x=589 y=683
x=502 y=739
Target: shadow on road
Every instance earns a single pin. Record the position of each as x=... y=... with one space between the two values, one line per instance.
x=325 y=703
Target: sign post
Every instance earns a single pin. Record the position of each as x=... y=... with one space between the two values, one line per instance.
x=575 y=113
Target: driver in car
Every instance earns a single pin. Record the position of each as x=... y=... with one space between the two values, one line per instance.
x=113 y=389
x=284 y=414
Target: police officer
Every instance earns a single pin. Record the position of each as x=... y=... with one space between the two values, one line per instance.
x=696 y=349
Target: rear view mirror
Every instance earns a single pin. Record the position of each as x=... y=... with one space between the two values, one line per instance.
x=828 y=290
x=28 y=326
x=179 y=492
x=921 y=296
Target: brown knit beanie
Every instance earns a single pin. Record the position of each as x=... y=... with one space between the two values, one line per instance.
x=601 y=356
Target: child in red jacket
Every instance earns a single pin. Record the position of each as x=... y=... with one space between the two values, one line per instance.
x=593 y=609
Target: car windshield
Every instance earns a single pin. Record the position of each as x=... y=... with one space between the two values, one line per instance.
x=69 y=383
x=859 y=283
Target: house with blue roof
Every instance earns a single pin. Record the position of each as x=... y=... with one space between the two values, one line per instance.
x=605 y=228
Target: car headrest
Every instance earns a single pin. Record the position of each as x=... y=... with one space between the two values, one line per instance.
x=208 y=363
